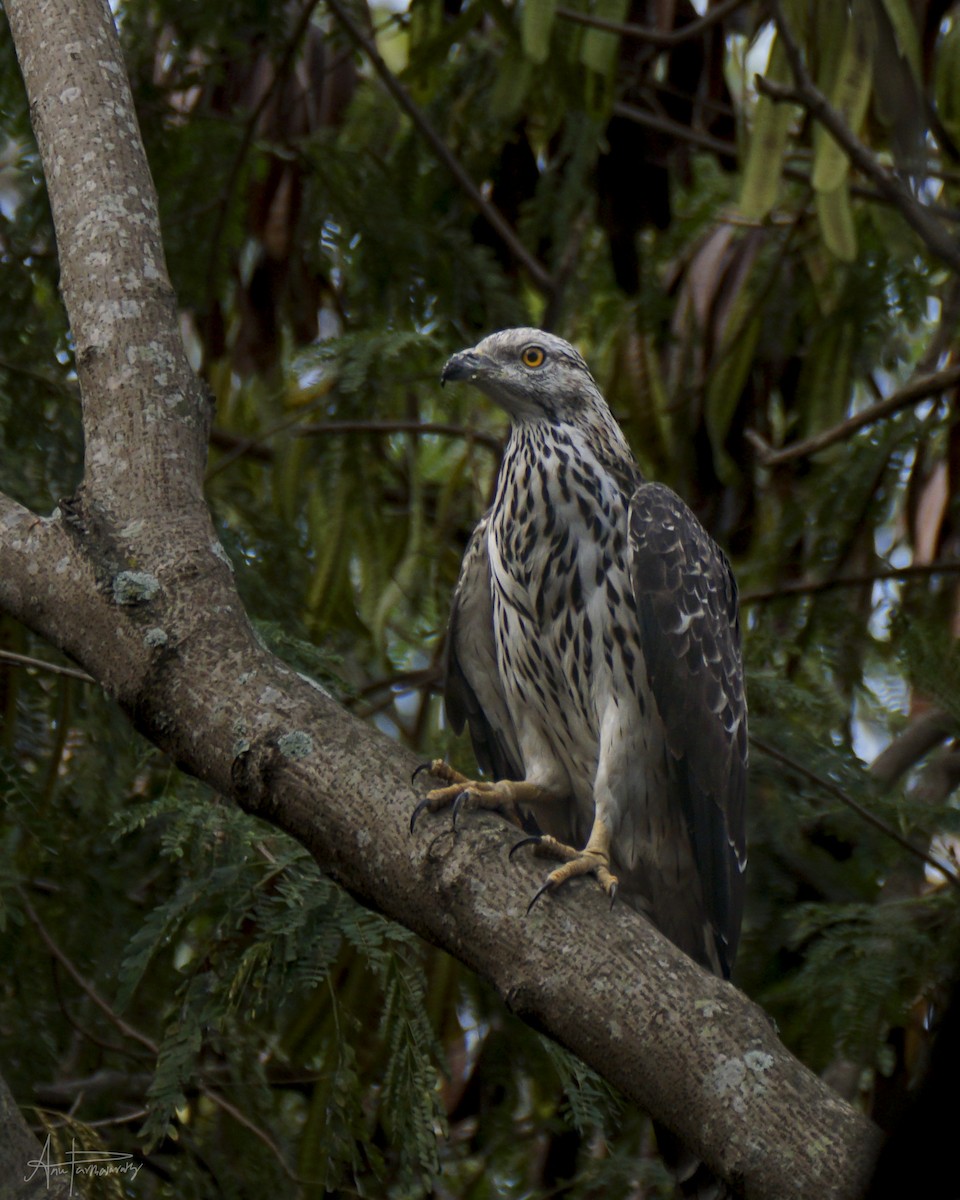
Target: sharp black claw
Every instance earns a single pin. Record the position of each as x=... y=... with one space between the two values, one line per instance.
x=416 y=813
x=425 y=766
x=546 y=888
x=527 y=841
x=613 y=896
x=458 y=802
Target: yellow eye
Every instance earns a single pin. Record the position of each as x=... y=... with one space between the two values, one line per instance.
x=532 y=356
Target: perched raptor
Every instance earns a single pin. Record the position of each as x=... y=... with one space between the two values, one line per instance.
x=594 y=651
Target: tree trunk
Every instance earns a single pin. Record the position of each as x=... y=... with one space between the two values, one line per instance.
x=28 y=1170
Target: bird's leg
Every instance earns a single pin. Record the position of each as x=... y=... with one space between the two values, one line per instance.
x=504 y=795
x=593 y=859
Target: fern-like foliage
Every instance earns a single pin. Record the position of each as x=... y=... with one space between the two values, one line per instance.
x=254 y=929
x=589 y=1102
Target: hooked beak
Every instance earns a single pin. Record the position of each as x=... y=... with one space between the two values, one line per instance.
x=465 y=366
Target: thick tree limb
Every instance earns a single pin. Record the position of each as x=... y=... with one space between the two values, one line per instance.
x=128 y=578
x=906 y=750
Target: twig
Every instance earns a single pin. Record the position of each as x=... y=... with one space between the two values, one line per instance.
x=129 y=1031
x=261 y=1134
x=706 y=141
x=566 y=267
x=85 y=986
x=243 y=446
x=24 y=660
x=654 y=37
x=416 y=427
x=677 y=129
x=128 y=1118
x=249 y=447
x=88 y=1035
x=104 y=1122
x=808 y=96
x=61 y=729
x=540 y=277
x=57 y=386
x=922 y=387
x=865 y=814
x=406 y=681
x=814 y=587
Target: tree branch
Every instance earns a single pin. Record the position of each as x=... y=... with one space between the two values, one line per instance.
x=119 y=325
x=84 y=985
x=170 y=641
x=40 y=664
x=921 y=387
x=255 y=446
x=813 y=587
x=714 y=145
x=419 y=428
x=917 y=740
x=808 y=96
x=539 y=275
x=661 y=39
x=870 y=818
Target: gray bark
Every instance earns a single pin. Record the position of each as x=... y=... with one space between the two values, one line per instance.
x=27 y=1167
x=129 y=579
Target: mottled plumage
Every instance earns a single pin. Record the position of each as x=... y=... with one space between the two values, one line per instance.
x=594 y=651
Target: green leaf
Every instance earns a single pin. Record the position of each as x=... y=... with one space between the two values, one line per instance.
x=653 y=392
x=824 y=386
x=836 y=222
x=598 y=50
x=726 y=388
x=292 y=454
x=831 y=25
x=905 y=31
x=536 y=25
x=589 y=1100
x=768 y=139
x=329 y=534
x=947 y=81
x=156 y=931
x=403 y=579
x=513 y=82
x=850 y=98
x=177 y=1060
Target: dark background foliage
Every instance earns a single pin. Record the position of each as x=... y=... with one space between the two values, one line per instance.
x=348 y=195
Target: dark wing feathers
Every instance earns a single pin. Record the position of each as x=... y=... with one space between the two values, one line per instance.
x=686 y=600
x=473 y=692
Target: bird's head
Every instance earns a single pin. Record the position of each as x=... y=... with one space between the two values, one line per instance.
x=532 y=374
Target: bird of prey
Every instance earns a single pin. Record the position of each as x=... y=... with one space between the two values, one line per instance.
x=594 y=650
